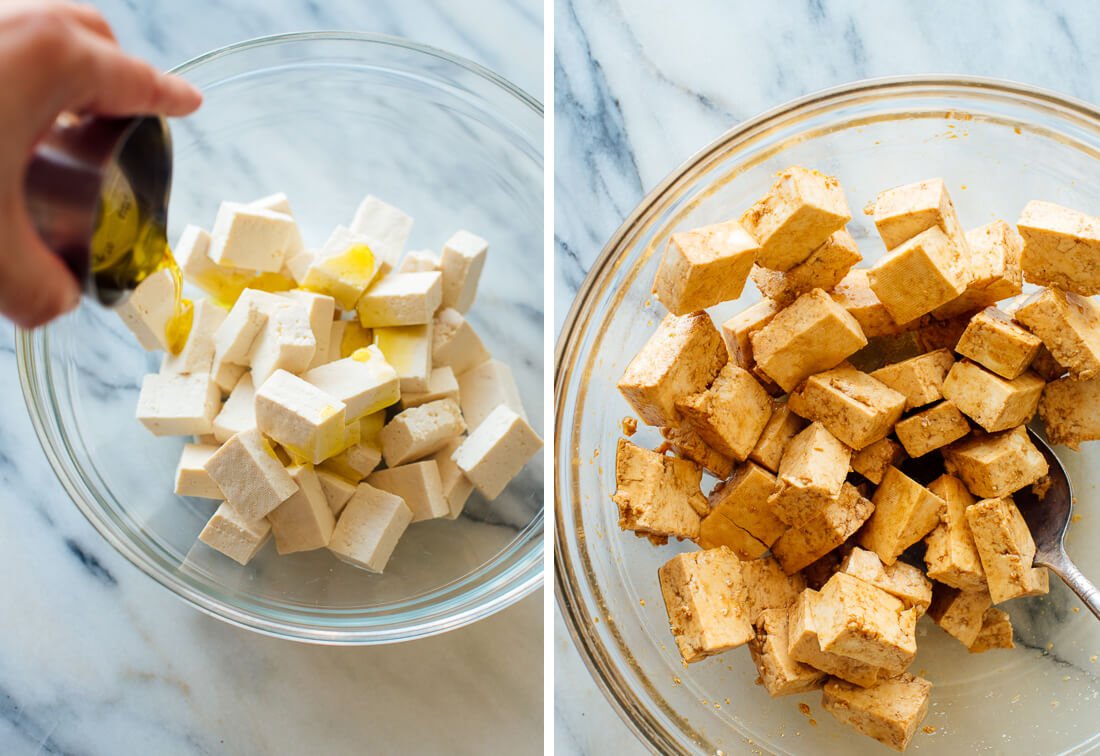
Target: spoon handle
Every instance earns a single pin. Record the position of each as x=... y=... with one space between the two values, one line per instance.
x=1080 y=584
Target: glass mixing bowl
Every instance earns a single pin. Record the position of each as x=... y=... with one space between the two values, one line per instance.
x=998 y=145
x=327 y=118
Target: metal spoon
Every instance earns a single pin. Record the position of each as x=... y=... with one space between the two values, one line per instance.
x=1047 y=518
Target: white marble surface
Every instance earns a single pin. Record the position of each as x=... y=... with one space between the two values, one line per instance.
x=639 y=88
x=100 y=660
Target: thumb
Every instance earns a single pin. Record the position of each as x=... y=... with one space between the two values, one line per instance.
x=35 y=285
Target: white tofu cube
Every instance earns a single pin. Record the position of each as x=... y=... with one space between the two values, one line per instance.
x=251 y=238
x=484 y=388
x=336 y=339
x=337 y=490
x=227 y=375
x=401 y=299
x=364 y=382
x=286 y=342
x=463 y=258
x=442 y=384
x=276 y=203
x=356 y=462
x=148 y=309
x=418 y=484
x=343 y=267
x=303 y=419
x=409 y=350
x=456 y=486
x=197 y=355
x=420 y=431
x=178 y=405
x=250 y=476
x=497 y=450
x=239 y=411
x=369 y=528
x=418 y=260
x=320 y=309
x=304 y=521
x=235 y=337
x=237 y=538
x=192 y=479
x=297 y=266
x=191 y=254
x=388 y=226
x=455 y=344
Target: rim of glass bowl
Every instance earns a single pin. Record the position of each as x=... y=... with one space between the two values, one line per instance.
x=577 y=591
x=510 y=575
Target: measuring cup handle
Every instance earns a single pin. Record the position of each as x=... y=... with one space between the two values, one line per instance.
x=1080 y=584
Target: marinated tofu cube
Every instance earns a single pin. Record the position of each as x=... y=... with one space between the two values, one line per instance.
x=1069 y=326
x=918 y=276
x=823 y=269
x=952 y=557
x=994 y=269
x=250 y=476
x=874 y=460
x=442 y=384
x=299 y=416
x=484 y=388
x=780 y=673
x=995 y=342
x=192 y=479
x=856 y=408
x=401 y=299
x=717 y=530
x=855 y=295
x=462 y=261
x=456 y=486
x=409 y=350
x=935 y=333
x=496 y=451
x=148 y=310
x=858 y=620
x=889 y=711
x=704 y=266
x=930 y=429
x=998 y=464
x=687 y=444
x=797 y=215
x=781 y=428
x=683 y=357
x=811 y=474
x=369 y=528
x=303 y=522
x=657 y=495
x=1061 y=247
x=1048 y=368
x=386 y=226
x=960 y=613
x=769 y=586
x=338 y=490
x=835 y=523
x=364 y=382
x=419 y=485
x=813 y=334
x=901 y=580
x=705 y=598
x=805 y=647
x=729 y=415
x=251 y=238
x=919 y=379
x=991 y=401
x=178 y=405
x=455 y=344
x=743 y=499
x=286 y=342
x=996 y=631
x=1071 y=411
x=905 y=211
x=1007 y=549
x=421 y=431
x=239 y=539
x=905 y=511
x=197 y=355
x=736 y=331
x=344 y=267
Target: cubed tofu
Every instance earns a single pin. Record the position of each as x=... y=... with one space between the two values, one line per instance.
x=455 y=344
x=364 y=382
x=743 y=499
x=235 y=338
x=905 y=211
x=409 y=350
x=1069 y=326
x=960 y=613
x=803 y=645
x=418 y=484
x=855 y=407
x=227 y=375
x=299 y=416
x=994 y=269
x=874 y=460
x=736 y=331
x=704 y=266
x=998 y=344
x=889 y=711
x=769 y=586
x=496 y=451
x=952 y=557
x=386 y=226
x=1007 y=549
x=250 y=476
x=421 y=431
x=780 y=673
x=905 y=511
x=919 y=378
x=401 y=299
x=149 y=308
x=344 y=267
x=683 y=357
x=823 y=269
x=813 y=334
x=484 y=388
x=338 y=490
x=297 y=266
x=355 y=462
x=687 y=444
x=811 y=474
x=456 y=486
x=239 y=539
x=717 y=530
x=320 y=310
x=996 y=631
x=418 y=260
x=657 y=496
x=1071 y=411
x=901 y=580
x=854 y=294
x=285 y=343
x=836 y=522
x=239 y=411
x=369 y=528
x=303 y=522
x=991 y=401
x=998 y=464
x=801 y=210
x=858 y=620
x=1046 y=366
x=442 y=384
x=920 y=275
x=1061 y=247
x=197 y=355
x=252 y=238
x=192 y=479
x=936 y=333
x=705 y=597
x=462 y=261
x=783 y=426
x=932 y=428
x=178 y=405
x=730 y=414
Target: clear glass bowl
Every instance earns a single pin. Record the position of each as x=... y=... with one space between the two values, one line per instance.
x=998 y=145
x=326 y=118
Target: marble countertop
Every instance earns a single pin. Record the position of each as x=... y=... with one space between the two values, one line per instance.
x=639 y=89
x=101 y=660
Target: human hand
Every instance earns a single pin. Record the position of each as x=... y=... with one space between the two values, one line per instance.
x=58 y=56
